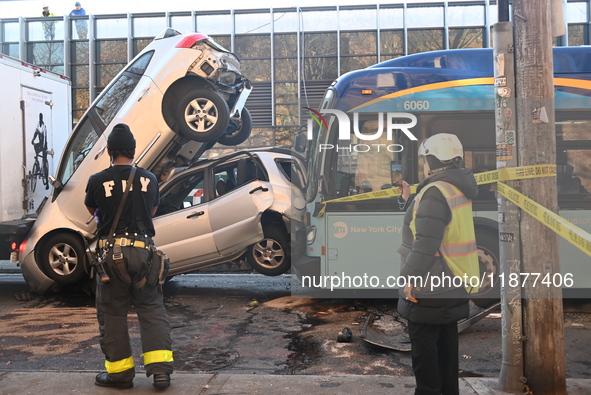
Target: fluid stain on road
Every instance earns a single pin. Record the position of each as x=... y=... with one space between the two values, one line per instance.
x=306 y=350
x=203 y=359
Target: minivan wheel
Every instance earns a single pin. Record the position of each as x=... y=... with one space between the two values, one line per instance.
x=203 y=115
x=62 y=258
x=270 y=256
x=238 y=130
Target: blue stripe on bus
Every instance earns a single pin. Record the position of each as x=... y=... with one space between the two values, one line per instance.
x=467 y=98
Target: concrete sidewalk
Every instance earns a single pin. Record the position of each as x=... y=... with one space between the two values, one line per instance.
x=16 y=383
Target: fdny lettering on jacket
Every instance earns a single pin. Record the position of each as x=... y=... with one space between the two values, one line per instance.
x=109 y=185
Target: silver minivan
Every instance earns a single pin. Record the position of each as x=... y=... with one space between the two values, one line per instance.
x=245 y=204
x=180 y=96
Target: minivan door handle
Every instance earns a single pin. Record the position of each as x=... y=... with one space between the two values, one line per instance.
x=259 y=188
x=143 y=94
x=197 y=214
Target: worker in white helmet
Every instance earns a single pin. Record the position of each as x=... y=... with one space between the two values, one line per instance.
x=438 y=246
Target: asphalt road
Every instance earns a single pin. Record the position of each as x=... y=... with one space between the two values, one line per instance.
x=248 y=323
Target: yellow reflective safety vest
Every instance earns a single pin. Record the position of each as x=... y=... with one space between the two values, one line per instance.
x=458 y=246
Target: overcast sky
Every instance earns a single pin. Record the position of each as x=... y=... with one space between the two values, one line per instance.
x=12 y=9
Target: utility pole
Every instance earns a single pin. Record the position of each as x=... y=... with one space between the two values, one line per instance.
x=544 y=360
x=511 y=378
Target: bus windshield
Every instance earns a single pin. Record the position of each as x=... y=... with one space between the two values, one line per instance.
x=317 y=135
x=359 y=165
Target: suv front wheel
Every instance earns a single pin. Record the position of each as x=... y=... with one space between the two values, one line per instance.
x=270 y=256
x=62 y=258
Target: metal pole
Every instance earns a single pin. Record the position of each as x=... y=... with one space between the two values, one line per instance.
x=168 y=19
x=588 y=39
x=338 y=41
x=404 y=29
x=511 y=378
x=299 y=53
x=273 y=110
x=23 y=39
x=486 y=35
x=130 y=33
x=445 y=26
x=378 y=38
x=67 y=44
x=233 y=34
x=564 y=38
x=92 y=70
x=1 y=36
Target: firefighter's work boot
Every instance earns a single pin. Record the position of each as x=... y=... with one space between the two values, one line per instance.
x=104 y=380
x=161 y=380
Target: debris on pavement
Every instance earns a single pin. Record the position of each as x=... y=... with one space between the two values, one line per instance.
x=345 y=335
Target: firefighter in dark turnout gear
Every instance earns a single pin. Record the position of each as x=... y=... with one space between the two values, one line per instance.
x=128 y=286
x=438 y=240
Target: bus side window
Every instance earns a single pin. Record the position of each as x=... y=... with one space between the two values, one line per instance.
x=480 y=162
x=571 y=178
x=573 y=159
x=485 y=191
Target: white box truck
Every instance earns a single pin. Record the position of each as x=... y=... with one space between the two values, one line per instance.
x=35 y=121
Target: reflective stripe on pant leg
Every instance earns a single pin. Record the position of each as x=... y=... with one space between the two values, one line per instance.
x=119 y=366
x=157 y=356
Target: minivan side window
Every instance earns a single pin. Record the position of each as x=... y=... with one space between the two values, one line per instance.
x=184 y=193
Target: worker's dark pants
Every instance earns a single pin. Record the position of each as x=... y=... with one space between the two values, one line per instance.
x=113 y=302
x=435 y=358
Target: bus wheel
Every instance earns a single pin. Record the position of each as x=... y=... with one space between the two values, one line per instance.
x=488 y=258
x=62 y=258
x=270 y=256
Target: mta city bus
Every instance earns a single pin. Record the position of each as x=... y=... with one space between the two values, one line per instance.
x=392 y=107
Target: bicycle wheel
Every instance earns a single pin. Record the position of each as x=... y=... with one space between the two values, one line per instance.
x=33 y=177
x=45 y=173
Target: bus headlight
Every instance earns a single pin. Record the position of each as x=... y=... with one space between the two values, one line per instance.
x=311 y=235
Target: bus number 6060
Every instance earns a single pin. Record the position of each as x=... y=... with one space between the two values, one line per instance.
x=416 y=105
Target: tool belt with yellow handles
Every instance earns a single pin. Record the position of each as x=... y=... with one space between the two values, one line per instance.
x=158 y=262
x=126 y=242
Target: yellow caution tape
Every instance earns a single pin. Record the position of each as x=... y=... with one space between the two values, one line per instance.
x=515 y=173
x=384 y=193
x=489 y=177
x=573 y=234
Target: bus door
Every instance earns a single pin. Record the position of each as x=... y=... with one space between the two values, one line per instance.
x=361 y=237
x=360 y=245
